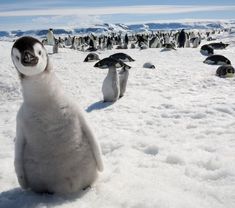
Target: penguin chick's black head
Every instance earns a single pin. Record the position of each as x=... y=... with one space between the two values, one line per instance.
x=29 y=56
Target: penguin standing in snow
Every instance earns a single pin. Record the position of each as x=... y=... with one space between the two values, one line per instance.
x=50 y=37
x=55 y=149
x=123 y=78
x=181 y=39
x=111 y=84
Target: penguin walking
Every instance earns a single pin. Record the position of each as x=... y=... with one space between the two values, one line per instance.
x=55 y=149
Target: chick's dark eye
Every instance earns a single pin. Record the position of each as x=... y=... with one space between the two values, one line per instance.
x=17 y=57
x=40 y=52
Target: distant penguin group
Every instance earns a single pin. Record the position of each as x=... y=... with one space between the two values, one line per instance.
x=225 y=70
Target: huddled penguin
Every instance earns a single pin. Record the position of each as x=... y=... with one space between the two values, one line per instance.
x=207 y=50
x=92 y=57
x=149 y=65
x=122 y=57
x=218 y=45
x=225 y=71
x=55 y=149
x=217 y=60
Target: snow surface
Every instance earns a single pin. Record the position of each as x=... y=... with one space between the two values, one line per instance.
x=168 y=143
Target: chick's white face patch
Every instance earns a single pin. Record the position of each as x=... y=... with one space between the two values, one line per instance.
x=40 y=53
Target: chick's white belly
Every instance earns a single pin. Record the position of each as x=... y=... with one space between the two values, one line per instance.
x=57 y=156
x=107 y=89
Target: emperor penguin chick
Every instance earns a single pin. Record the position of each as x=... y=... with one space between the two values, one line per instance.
x=123 y=77
x=111 y=85
x=55 y=149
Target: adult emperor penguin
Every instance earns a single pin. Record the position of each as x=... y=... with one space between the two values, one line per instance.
x=181 y=38
x=50 y=37
x=55 y=148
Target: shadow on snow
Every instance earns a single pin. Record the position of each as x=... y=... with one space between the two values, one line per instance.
x=27 y=199
x=98 y=106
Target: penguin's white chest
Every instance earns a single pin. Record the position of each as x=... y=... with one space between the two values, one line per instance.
x=50 y=38
x=111 y=88
x=57 y=155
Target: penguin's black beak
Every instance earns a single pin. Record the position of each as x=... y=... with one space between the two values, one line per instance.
x=29 y=59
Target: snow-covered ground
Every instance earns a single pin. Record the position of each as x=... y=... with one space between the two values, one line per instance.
x=168 y=143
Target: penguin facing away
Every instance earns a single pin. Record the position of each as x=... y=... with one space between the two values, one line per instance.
x=55 y=47
x=123 y=78
x=55 y=148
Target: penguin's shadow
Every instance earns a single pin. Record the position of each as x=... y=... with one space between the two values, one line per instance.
x=27 y=199
x=98 y=106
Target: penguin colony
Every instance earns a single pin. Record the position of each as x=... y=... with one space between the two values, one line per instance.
x=167 y=41
x=50 y=125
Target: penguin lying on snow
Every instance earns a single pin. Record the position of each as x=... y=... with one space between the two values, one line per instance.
x=55 y=148
x=149 y=65
x=218 y=45
x=114 y=84
x=168 y=47
x=225 y=71
x=207 y=50
x=217 y=60
x=122 y=57
x=92 y=57
x=107 y=62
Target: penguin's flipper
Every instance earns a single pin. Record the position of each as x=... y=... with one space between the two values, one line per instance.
x=19 y=152
x=93 y=142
